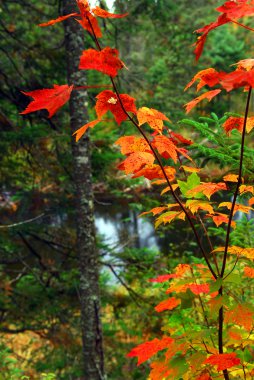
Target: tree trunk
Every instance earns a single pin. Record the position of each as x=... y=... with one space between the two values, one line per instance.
x=87 y=252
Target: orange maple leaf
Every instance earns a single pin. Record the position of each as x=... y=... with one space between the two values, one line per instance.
x=239 y=251
x=246 y=189
x=197 y=204
x=241 y=315
x=165 y=147
x=223 y=361
x=169 y=216
x=249 y=272
x=105 y=61
x=208 y=77
x=160 y=370
x=152 y=117
x=246 y=64
x=49 y=98
x=207 y=95
x=146 y=350
x=169 y=304
x=220 y=218
x=108 y=101
x=154 y=211
x=81 y=131
x=238 y=207
x=208 y=189
x=131 y=144
x=135 y=161
x=154 y=171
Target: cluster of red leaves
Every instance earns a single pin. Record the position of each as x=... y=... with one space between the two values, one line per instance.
x=146 y=350
x=87 y=17
x=165 y=146
x=231 y=12
x=242 y=76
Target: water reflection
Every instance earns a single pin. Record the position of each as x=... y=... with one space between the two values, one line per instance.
x=118 y=228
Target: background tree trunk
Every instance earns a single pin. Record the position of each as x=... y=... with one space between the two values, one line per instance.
x=88 y=255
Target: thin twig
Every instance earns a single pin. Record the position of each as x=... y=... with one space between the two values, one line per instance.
x=238 y=183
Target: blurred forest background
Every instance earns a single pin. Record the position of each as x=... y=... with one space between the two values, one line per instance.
x=39 y=271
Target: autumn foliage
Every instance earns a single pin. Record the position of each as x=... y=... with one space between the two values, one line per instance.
x=218 y=350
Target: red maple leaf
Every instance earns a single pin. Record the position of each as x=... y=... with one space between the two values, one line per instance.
x=223 y=19
x=231 y=11
x=49 y=98
x=208 y=189
x=223 y=361
x=90 y=23
x=58 y=19
x=209 y=77
x=108 y=101
x=237 y=9
x=99 y=12
x=154 y=171
x=169 y=304
x=105 y=61
x=199 y=288
x=163 y=278
x=207 y=95
x=146 y=350
x=178 y=138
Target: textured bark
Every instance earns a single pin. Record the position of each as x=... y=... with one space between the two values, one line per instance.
x=88 y=255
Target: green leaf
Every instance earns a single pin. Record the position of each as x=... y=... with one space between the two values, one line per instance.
x=234 y=278
x=215 y=286
x=192 y=181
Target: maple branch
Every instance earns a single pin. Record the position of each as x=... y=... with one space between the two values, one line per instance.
x=239 y=181
x=23 y=222
x=177 y=199
x=199 y=216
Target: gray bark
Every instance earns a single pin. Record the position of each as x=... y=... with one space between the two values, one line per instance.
x=88 y=255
